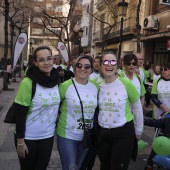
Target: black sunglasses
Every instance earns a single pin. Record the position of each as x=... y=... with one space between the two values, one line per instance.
x=131 y=63
x=165 y=69
x=86 y=66
x=111 y=62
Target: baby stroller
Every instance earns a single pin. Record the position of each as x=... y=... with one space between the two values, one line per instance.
x=162 y=161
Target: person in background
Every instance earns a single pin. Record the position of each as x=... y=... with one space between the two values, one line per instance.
x=36 y=117
x=69 y=129
x=160 y=96
x=57 y=62
x=25 y=63
x=130 y=62
x=157 y=73
x=141 y=71
x=160 y=93
x=118 y=132
x=64 y=74
x=9 y=70
x=96 y=71
x=72 y=64
x=30 y=63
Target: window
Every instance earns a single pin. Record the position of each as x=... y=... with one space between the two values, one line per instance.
x=54 y=30
x=38 y=41
x=38 y=9
x=49 y=7
x=58 y=9
x=38 y=20
x=37 y=31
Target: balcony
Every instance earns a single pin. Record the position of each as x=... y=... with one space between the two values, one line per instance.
x=128 y=29
x=97 y=37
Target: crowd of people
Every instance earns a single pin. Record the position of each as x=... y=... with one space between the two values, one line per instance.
x=95 y=93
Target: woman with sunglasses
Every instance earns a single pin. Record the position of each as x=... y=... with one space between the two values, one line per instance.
x=130 y=62
x=160 y=96
x=70 y=129
x=117 y=142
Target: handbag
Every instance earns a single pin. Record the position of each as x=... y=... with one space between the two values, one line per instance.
x=88 y=138
x=10 y=115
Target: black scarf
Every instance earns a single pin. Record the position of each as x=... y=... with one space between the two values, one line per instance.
x=37 y=76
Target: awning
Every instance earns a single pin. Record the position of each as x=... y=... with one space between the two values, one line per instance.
x=155 y=36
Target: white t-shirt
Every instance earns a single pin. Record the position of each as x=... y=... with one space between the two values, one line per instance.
x=162 y=89
x=70 y=120
x=96 y=76
x=114 y=105
x=43 y=110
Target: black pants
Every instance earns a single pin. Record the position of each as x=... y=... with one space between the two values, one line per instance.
x=39 y=154
x=115 y=152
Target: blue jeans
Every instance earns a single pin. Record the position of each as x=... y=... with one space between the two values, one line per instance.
x=71 y=153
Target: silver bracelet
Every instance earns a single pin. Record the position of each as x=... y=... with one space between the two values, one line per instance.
x=20 y=144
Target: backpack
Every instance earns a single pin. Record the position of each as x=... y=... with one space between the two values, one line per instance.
x=10 y=115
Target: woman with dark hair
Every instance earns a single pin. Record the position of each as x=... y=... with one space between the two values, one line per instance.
x=160 y=96
x=36 y=117
x=160 y=93
x=119 y=129
x=70 y=127
x=130 y=62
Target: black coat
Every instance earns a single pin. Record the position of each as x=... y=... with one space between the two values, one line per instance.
x=163 y=124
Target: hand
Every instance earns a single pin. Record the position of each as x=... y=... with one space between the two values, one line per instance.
x=164 y=108
x=21 y=150
x=138 y=137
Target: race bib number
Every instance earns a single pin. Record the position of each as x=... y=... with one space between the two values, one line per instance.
x=79 y=126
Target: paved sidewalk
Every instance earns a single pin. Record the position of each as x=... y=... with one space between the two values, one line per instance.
x=8 y=156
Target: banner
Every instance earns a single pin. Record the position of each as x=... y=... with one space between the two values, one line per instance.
x=63 y=50
x=19 y=45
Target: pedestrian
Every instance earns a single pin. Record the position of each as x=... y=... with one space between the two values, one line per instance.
x=36 y=119
x=64 y=74
x=119 y=129
x=96 y=70
x=70 y=125
x=9 y=70
x=160 y=96
x=25 y=64
x=142 y=72
x=130 y=62
x=157 y=73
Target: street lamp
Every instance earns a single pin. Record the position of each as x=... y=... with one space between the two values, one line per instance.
x=122 y=7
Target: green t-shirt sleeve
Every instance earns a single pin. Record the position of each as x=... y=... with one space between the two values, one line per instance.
x=154 y=88
x=142 y=88
x=24 y=93
x=63 y=87
x=131 y=90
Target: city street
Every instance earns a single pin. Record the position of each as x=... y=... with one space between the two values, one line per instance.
x=8 y=156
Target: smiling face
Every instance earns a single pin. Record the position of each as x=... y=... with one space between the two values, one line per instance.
x=83 y=70
x=130 y=67
x=108 y=65
x=44 y=61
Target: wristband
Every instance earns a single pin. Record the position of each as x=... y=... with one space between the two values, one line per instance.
x=20 y=144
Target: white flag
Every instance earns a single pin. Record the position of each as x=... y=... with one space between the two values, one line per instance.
x=19 y=45
x=63 y=50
